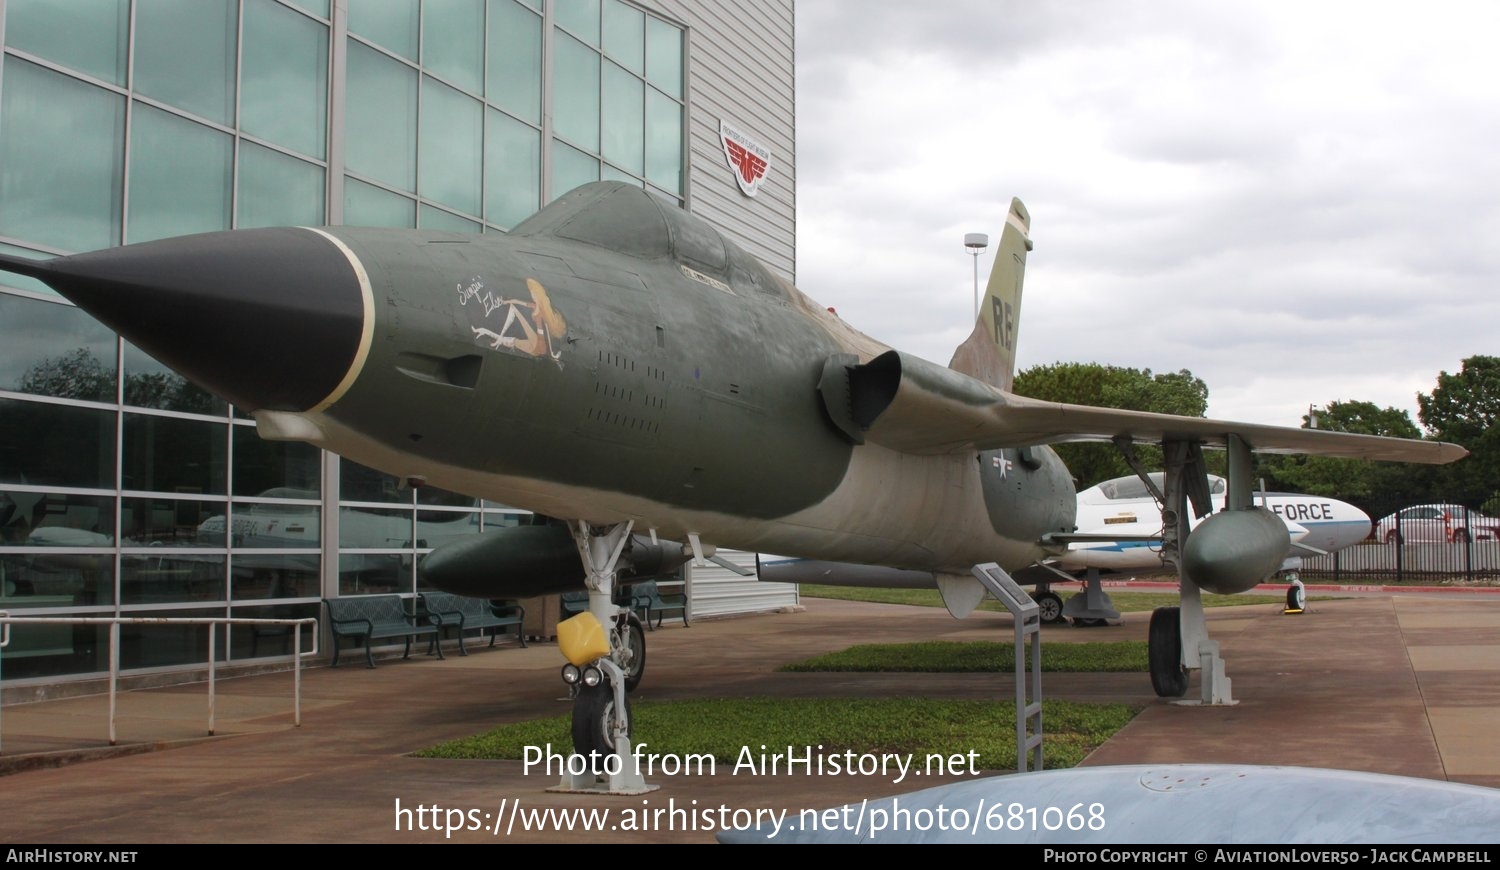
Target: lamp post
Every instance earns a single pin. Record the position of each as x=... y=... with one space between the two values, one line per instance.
x=976 y=243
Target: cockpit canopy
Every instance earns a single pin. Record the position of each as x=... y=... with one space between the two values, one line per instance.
x=626 y=219
x=1132 y=488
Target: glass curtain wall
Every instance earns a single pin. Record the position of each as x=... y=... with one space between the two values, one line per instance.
x=126 y=490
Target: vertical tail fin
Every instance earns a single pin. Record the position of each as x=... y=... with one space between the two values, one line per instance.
x=989 y=353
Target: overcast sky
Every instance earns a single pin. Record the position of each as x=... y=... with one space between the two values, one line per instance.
x=1298 y=202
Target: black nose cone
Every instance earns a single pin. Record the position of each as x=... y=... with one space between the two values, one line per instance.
x=267 y=318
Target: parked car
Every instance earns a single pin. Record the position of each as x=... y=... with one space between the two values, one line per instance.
x=1442 y=523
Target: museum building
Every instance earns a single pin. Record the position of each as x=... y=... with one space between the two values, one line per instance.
x=127 y=491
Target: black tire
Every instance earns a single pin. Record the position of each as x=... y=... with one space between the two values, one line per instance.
x=1295 y=598
x=1460 y=536
x=1049 y=607
x=591 y=714
x=633 y=658
x=1393 y=537
x=1090 y=622
x=1165 y=653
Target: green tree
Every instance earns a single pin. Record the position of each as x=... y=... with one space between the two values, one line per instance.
x=1112 y=387
x=1463 y=408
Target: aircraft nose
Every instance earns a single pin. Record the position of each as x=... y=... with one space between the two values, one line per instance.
x=266 y=318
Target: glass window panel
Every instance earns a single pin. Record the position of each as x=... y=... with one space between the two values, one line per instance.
x=512 y=170
x=149 y=384
x=581 y=17
x=664 y=56
x=391 y=24
x=159 y=646
x=453 y=42
x=362 y=483
x=169 y=578
x=624 y=119
x=169 y=454
x=515 y=60
x=50 y=519
x=436 y=219
x=56 y=445
x=179 y=176
x=184 y=55
x=575 y=103
x=21 y=282
x=381 y=118
x=62 y=580
x=316 y=7
x=664 y=142
x=625 y=35
x=251 y=641
x=277 y=190
x=498 y=520
x=609 y=173
x=366 y=574
x=570 y=168
x=284 y=78
x=375 y=528
x=61 y=155
x=436 y=528
x=87 y=35
x=369 y=206
x=178 y=522
x=437 y=497
x=451 y=147
x=275 y=469
x=275 y=526
x=30 y=359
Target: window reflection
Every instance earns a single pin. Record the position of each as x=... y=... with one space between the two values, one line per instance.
x=62 y=149
x=49 y=519
x=33 y=358
x=56 y=445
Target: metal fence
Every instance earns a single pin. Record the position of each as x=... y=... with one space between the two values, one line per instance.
x=1433 y=543
x=114 y=622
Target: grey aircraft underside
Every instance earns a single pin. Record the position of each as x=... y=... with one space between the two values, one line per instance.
x=615 y=363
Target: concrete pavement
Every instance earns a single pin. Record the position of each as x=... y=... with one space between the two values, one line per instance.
x=1388 y=684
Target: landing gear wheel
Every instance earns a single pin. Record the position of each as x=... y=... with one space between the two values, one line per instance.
x=1296 y=599
x=592 y=714
x=1165 y=653
x=632 y=642
x=1088 y=622
x=1049 y=607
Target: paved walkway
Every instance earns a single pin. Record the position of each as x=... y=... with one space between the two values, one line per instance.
x=1403 y=685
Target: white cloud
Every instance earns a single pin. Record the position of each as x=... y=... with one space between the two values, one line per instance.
x=1295 y=201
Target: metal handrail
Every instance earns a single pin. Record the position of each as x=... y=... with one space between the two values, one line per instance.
x=213 y=623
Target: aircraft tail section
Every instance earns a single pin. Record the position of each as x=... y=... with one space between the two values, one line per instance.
x=989 y=353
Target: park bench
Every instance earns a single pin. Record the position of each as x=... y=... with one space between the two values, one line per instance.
x=654 y=602
x=368 y=618
x=469 y=614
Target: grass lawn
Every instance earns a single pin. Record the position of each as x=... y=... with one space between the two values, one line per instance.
x=732 y=730
x=1125 y=602
x=1128 y=656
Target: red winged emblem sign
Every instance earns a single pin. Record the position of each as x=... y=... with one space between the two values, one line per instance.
x=747 y=157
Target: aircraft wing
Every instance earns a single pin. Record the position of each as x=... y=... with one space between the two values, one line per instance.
x=909 y=404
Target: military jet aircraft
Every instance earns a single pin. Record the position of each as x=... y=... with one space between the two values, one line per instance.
x=616 y=363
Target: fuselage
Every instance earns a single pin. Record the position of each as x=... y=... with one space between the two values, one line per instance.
x=660 y=375
x=1123 y=507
